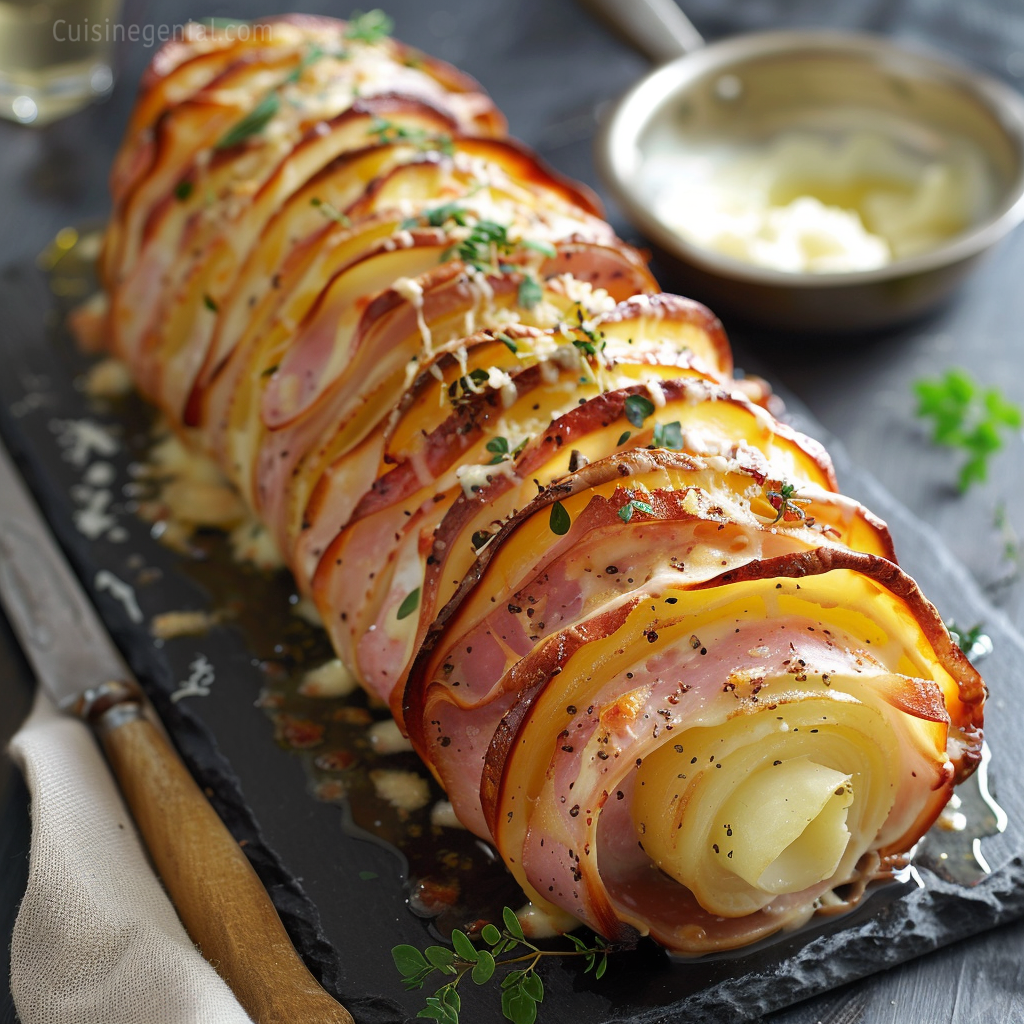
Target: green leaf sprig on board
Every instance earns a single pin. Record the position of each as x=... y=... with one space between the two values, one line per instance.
x=521 y=989
x=968 y=417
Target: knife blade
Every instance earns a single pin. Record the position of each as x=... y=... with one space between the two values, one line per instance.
x=219 y=898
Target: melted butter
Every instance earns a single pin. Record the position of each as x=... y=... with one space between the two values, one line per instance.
x=805 y=203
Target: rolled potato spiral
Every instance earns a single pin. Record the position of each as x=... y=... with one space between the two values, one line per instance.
x=622 y=612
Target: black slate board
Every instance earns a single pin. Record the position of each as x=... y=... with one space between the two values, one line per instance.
x=304 y=849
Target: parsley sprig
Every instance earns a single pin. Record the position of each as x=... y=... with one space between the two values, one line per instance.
x=522 y=989
x=968 y=417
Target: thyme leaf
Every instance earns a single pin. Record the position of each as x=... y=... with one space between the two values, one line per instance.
x=560 y=522
x=637 y=409
x=668 y=435
x=409 y=604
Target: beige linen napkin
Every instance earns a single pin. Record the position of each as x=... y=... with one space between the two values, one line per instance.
x=96 y=940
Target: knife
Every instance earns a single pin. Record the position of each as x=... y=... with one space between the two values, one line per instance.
x=219 y=898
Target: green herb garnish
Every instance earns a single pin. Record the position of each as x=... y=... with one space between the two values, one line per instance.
x=965 y=639
x=786 y=503
x=468 y=385
x=508 y=343
x=521 y=989
x=626 y=512
x=371 y=27
x=183 y=190
x=530 y=292
x=591 y=344
x=330 y=211
x=409 y=605
x=209 y=304
x=967 y=416
x=623 y=438
x=637 y=409
x=388 y=132
x=312 y=57
x=545 y=248
x=668 y=435
x=560 y=520
x=499 y=447
x=253 y=123
x=480 y=249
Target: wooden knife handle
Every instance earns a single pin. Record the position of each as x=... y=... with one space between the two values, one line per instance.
x=218 y=896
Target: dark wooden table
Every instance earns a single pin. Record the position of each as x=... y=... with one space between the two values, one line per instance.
x=551 y=70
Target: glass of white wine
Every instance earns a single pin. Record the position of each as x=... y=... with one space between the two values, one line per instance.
x=54 y=56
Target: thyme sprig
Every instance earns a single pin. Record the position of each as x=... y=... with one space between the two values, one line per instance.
x=968 y=417
x=522 y=989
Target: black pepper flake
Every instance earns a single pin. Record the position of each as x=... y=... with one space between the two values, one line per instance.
x=571 y=709
x=652 y=636
x=619 y=795
x=694 y=641
x=446 y=741
x=612 y=570
x=714 y=846
x=574 y=810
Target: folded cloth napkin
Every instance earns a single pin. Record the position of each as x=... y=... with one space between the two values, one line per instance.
x=96 y=940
